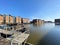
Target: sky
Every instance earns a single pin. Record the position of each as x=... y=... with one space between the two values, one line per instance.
x=32 y=9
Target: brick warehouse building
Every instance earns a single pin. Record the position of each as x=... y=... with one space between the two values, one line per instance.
x=25 y=20
x=38 y=21
x=1 y=19
x=11 y=19
x=8 y=19
x=18 y=20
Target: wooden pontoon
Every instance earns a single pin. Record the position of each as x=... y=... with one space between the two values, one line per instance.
x=6 y=32
x=19 y=39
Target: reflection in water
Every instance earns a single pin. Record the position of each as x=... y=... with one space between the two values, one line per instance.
x=26 y=25
x=37 y=25
x=46 y=34
x=38 y=32
x=52 y=38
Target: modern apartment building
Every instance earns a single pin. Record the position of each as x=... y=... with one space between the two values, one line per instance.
x=57 y=21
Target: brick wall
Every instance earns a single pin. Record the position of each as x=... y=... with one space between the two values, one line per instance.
x=7 y=20
x=11 y=19
x=18 y=20
x=26 y=20
x=1 y=19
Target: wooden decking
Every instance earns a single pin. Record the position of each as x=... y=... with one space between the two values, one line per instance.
x=12 y=31
x=19 y=35
x=3 y=41
x=6 y=32
x=21 y=38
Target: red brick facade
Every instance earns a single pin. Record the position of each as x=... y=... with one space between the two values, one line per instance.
x=1 y=19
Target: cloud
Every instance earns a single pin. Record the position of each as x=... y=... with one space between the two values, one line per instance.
x=33 y=17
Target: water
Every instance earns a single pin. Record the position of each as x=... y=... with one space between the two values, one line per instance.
x=46 y=34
